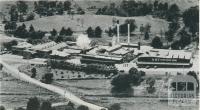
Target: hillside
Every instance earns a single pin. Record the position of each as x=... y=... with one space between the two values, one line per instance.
x=57 y=22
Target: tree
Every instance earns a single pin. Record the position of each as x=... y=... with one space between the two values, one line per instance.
x=31 y=28
x=135 y=76
x=33 y=71
x=175 y=45
x=67 y=5
x=195 y=75
x=146 y=36
x=62 y=31
x=70 y=104
x=21 y=31
x=90 y=32
x=165 y=7
x=173 y=13
x=60 y=8
x=191 y=19
x=30 y=16
x=98 y=32
x=185 y=38
x=2 y=108
x=82 y=107
x=47 y=78
x=46 y=105
x=169 y=35
x=13 y=13
x=110 y=32
x=150 y=81
x=133 y=71
x=8 y=45
x=156 y=42
x=33 y=104
x=155 y=4
x=69 y=108
x=54 y=32
x=22 y=6
x=115 y=106
x=69 y=32
x=121 y=81
x=10 y=26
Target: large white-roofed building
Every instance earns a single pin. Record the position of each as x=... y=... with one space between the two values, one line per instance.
x=162 y=57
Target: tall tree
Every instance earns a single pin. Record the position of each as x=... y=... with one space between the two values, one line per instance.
x=191 y=19
x=67 y=5
x=155 y=4
x=98 y=32
x=156 y=42
x=62 y=31
x=60 y=8
x=173 y=13
x=69 y=32
x=31 y=28
x=53 y=32
x=22 y=7
x=46 y=105
x=33 y=104
x=13 y=13
x=82 y=107
x=90 y=32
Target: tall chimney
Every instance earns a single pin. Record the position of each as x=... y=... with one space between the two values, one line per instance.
x=117 y=31
x=128 y=34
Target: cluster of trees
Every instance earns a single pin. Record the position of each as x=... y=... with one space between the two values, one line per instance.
x=89 y=68
x=172 y=29
x=63 y=35
x=126 y=8
x=35 y=104
x=22 y=32
x=97 y=32
x=123 y=28
x=133 y=8
x=8 y=45
x=19 y=12
x=50 y=8
x=123 y=82
x=191 y=20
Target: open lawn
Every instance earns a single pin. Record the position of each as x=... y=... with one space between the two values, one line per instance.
x=57 y=22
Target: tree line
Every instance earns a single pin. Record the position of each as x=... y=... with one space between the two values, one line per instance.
x=50 y=8
x=133 y=8
x=89 y=68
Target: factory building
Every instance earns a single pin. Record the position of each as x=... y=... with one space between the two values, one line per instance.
x=165 y=58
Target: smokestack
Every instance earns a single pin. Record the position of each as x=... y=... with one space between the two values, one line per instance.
x=117 y=31
x=128 y=34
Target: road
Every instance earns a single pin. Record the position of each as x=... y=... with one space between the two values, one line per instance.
x=62 y=91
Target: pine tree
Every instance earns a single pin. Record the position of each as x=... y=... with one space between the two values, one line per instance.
x=90 y=32
x=98 y=32
x=62 y=31
x=31 y=28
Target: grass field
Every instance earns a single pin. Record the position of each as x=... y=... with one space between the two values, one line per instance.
x=57 y=22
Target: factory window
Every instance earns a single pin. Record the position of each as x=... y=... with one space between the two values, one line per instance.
x=181 y=86
x=190 y=86
x=173 y=86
